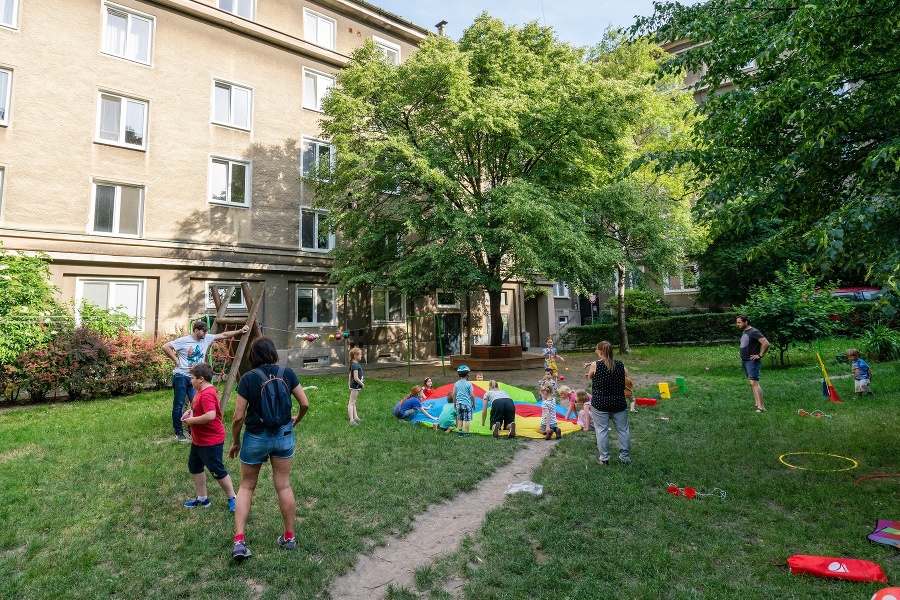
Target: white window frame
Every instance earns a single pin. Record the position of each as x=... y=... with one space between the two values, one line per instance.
x=235 y=13
x=560 y=289
x=113 y=281
x=387 y=306
x=319 y=214
x=311 y=14
x=388 y=46
x=504 y=299
x=304 y=140
x=319 y=77
x=316 y=322
x=208 y=289
x=2 y=185
x=437 y=299
x=123 y=101
x=132 y=14
x=248 y=179
x=6 y=102
x=14 y=23
x=680 y=275
x=230 y=123
x=117 y=209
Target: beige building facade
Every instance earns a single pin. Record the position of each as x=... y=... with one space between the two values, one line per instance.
x=154 y=148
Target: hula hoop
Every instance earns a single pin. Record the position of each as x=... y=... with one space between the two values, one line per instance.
x=787 y=464
x=874 y=477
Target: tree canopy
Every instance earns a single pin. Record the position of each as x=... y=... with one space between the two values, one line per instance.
x=477 y=163
x=808 y=131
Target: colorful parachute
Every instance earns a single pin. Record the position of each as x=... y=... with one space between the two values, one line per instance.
x=528 y=410
x=886 y=532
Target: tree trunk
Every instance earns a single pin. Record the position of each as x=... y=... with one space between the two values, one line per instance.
x=496 y=319
x=624 y=348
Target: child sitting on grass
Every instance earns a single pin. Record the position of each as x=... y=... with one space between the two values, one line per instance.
x=584 y=415
x=207 y=438
x=549 y=423
x=447 y=419
x=862 y=373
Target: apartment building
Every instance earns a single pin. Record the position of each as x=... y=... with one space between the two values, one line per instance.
x=154 y=148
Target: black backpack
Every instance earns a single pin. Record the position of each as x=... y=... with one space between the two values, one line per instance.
x=273 y=409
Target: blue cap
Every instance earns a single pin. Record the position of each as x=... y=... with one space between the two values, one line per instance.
x=462 y=369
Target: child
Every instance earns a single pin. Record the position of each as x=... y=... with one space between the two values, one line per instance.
x=584 y=417
x=548 y=414
x=207 y=438
x=550 y=356
x=566 y=393
x=427 y=388
x=447 y=418
x=410 y=406
x=356 y=384
x=479 y=376
x=547 y=379
x=629 y=391
x=862 y=373
x=465 y=401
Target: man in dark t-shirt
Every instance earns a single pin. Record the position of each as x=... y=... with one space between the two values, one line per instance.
x=753 y=347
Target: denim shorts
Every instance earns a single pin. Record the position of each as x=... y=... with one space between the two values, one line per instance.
x=257 y=448
x=751 y=368
x=209 y=457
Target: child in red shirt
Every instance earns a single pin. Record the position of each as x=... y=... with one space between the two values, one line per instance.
x=207 y=438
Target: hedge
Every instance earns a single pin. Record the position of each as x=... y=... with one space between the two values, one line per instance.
x=677 y=329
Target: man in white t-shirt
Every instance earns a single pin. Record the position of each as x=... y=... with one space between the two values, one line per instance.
x=186 y=352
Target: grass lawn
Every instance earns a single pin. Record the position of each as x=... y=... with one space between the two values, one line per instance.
x=614 y=532
x=92 y=493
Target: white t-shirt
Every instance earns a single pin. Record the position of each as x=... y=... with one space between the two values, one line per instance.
x=191 y=352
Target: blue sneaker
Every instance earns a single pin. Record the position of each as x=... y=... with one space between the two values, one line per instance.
x=240 y=552
x=231 y=502
x=195 y=502
x=287 y=544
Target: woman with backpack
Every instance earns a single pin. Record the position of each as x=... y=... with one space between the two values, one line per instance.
x=264 y=404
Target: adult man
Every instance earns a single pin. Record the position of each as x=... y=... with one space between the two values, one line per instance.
x=186 y=352
x=753 y=347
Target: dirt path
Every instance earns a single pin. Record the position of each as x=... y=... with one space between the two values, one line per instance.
x=437 y=531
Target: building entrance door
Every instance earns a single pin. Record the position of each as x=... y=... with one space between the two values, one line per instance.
x=451 y=334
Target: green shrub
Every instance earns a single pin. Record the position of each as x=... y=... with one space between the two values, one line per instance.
x=881 y=343
x=641 y=305
x=676 y=329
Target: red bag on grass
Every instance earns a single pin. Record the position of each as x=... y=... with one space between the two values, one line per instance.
x=851 y=569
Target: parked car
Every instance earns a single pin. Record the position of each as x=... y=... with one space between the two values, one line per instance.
x=857 y=294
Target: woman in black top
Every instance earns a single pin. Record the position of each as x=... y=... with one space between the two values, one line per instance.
x=608 y=402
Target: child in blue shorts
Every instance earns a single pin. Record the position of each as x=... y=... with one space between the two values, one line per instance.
x=465 y=401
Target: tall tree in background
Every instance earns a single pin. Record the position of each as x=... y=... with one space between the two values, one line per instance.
x=810 y=135
x=645 y=216
x=468 y=165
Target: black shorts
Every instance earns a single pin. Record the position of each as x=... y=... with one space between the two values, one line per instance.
x=503 y=411
x=209 y=457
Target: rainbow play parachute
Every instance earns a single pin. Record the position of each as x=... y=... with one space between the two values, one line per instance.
x=528 y=410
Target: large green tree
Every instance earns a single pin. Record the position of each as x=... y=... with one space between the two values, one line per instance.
x=469 y=165
x=801 y=122
x=644 y=217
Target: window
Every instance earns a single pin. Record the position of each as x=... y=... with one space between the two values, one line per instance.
x=121 y=121
x=5 y=93
x=315 y=306
x=313 y=234
x=123 y=295
x=684 y=280
x=387 y=306
x=390 y=49
x=447 y=299
x=319 y=29
x=2 y=181
x=229 y=181
x=127 y=34
x=315 y=86
x=504 y=299
x=117 y=209
x=316 y=159
x=560 y=289
x=9 y=13
x=241 y=8
x=232 y=105
x=221 y=288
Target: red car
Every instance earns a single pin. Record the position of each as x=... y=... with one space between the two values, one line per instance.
x=857 y=294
